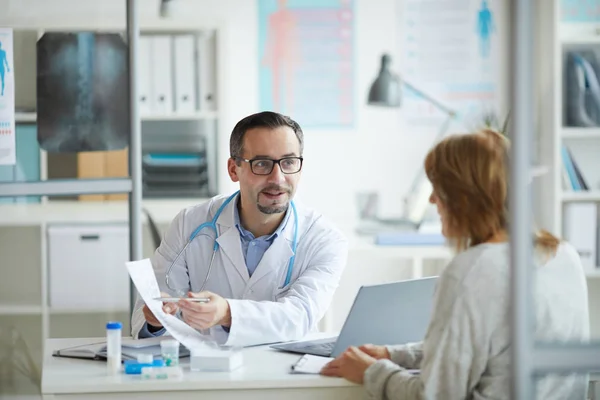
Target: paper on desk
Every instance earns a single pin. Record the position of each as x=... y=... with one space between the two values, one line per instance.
x=143 y=277
x=309 y=364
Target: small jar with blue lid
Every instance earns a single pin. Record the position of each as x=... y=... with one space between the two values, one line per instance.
x=113 y=347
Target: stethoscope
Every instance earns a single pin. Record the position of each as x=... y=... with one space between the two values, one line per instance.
x=212 y=225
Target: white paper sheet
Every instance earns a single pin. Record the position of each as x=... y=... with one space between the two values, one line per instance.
x=309 y=364
x=143 y=277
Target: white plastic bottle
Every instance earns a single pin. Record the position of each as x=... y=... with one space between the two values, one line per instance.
x=113 y=347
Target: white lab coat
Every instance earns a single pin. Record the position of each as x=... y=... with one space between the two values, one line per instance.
x=261 y=311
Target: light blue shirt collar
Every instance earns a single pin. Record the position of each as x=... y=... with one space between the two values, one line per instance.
x=246 y=234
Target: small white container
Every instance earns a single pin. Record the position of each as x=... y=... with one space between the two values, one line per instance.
x=162 y=373
x=221 y=359
x=169 y=349
x=113 y=347
x=145 y=358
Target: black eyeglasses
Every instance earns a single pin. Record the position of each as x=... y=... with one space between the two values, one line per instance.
x=264 y=166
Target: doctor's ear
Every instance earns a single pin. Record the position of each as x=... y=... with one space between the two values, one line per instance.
x=232 y=169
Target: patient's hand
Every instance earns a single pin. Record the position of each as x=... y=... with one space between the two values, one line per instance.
x=377 y=352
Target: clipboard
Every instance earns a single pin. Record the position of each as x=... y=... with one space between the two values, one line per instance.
x=309 y=364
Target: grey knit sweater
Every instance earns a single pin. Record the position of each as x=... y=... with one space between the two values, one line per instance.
x=466 y=351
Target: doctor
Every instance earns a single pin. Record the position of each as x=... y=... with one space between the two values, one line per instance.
x=276 y=262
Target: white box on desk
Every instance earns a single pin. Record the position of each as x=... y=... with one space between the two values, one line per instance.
x=216 y=360
x=86 y=267
x=581 y=230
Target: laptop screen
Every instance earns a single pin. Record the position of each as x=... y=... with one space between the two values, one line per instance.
x=389 y=313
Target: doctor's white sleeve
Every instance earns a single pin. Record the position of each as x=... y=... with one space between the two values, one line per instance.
x=173 y=241
x=298 y=311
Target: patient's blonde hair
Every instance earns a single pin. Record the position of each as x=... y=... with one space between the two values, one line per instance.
x=469 y=173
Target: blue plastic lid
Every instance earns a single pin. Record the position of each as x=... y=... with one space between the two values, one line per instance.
x=114 y=325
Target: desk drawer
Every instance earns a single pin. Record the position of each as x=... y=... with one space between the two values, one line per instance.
x=86 y=267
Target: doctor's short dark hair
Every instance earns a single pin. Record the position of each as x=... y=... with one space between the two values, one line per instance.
x=265 y=119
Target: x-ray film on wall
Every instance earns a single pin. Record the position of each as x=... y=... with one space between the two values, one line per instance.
x=82 y=92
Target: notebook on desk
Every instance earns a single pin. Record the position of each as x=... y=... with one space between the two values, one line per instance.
x=130 y=349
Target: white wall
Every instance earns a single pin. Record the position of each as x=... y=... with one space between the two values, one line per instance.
x=379 y=154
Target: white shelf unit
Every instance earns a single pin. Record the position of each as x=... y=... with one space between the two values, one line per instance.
x=31 y=117
x=580 y=133
x=31 y=315
x=581 y=196
x=554 y=37
x=208 y=38
x=20 y=310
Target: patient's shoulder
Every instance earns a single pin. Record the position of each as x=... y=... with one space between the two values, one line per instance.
x=482 y=269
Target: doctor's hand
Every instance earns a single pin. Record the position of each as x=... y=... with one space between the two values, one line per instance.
x=351 y=364
x=168 y=308
x=206 y=315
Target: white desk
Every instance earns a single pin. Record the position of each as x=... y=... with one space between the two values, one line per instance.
x=265 y=375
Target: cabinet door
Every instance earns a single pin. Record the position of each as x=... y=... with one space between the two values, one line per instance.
x=87 y=267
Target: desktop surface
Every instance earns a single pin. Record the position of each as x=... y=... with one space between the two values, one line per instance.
x=263 y=368
x=265 y=375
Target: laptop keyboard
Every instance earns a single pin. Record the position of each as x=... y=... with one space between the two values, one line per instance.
x=323 y=348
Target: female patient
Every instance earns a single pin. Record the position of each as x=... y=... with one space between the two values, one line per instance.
x=465 y=353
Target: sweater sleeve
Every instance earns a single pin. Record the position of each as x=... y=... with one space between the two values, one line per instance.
x=408 y=355
x=449 y=368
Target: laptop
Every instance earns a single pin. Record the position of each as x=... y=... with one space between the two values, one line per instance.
x=389 y=313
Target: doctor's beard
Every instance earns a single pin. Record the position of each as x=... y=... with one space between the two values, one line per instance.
x=274 y=207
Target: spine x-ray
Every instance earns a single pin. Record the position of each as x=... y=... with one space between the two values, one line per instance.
x=82 y=92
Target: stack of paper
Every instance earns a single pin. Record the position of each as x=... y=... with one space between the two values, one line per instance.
x=143 y=277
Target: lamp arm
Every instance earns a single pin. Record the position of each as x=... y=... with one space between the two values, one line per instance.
x=430 y=99
x=420 y=187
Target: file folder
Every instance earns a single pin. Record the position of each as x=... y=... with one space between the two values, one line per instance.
x=581 y=229
x=185 y=76
x=207 y=71
x=145 y=75
x=162 y=77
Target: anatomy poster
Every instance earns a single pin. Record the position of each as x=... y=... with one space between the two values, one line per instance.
x=7 y=99
x=451 y=51
x=306 y=54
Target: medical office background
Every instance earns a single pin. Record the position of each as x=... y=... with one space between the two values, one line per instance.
x=60 y=257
